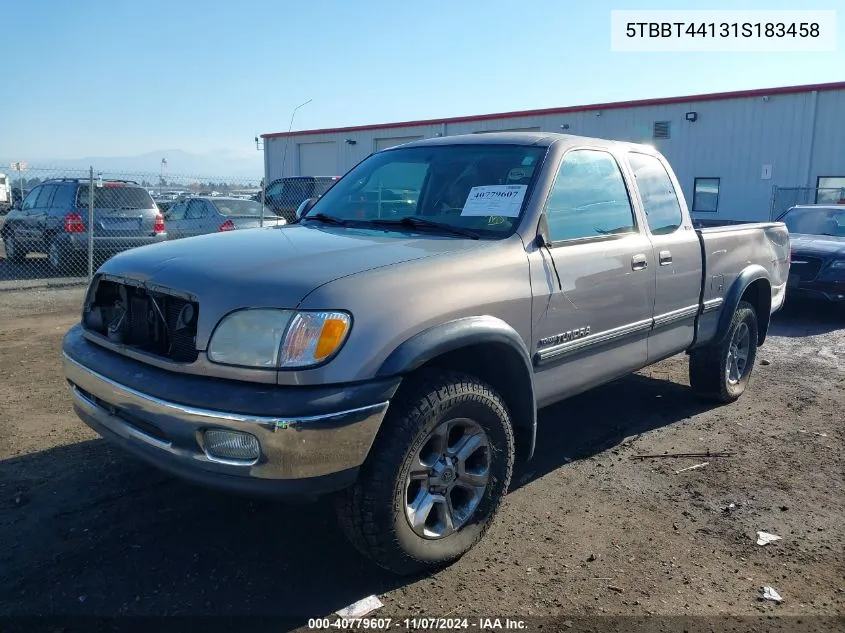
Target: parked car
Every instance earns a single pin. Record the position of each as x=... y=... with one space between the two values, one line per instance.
x=163 y=205
x=198 y=216
x=817 y=238
x=400 y=362
x=53 y=219
x=284 y=195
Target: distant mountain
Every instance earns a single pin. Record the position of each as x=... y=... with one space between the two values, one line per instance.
x=221 y=165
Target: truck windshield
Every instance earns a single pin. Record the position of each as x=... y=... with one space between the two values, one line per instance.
x=478 y=188
x=820 y=221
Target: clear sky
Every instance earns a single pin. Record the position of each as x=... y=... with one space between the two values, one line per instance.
x=108 y=78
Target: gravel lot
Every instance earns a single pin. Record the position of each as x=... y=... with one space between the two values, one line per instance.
x=586 y=531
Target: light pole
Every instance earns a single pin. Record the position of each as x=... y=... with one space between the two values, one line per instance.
x=161 y=176
x=290 y=127
x=259 y=145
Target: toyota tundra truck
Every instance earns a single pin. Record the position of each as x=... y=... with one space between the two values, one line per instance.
x=392 y=346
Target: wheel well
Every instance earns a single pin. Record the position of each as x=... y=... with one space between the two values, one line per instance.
x=505 y=371
x=759 y=294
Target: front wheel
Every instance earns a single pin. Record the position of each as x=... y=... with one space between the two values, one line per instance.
x=721 y=371
x=435 y=478
x=14 y=253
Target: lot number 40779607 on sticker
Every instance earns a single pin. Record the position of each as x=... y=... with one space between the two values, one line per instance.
x=498 y=200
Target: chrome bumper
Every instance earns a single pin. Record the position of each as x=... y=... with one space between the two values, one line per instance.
x=171 y=435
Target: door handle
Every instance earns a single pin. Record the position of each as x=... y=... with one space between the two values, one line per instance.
x=639 y=262
x=665 y=258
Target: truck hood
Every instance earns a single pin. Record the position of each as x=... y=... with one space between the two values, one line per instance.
x=270 y=267
x=817 y=245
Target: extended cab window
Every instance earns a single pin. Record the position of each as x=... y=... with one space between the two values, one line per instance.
x=660 y=200
x=589 y=198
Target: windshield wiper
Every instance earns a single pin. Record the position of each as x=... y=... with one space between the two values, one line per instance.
x=417 y=222
x=326 y=219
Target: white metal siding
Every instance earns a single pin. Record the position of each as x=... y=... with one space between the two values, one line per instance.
x=393 y=141
x=828 y=157
x=318 y=159
x=800 y=135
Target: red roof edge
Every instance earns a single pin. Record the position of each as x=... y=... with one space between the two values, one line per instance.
x=715 y=96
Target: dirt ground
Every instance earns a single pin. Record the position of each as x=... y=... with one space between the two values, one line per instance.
x=586 y=531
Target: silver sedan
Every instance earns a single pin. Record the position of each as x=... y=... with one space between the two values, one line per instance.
x=200 y=215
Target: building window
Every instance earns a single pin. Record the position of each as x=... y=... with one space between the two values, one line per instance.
x=830 y=190
x=661 y=129
x=705 y=195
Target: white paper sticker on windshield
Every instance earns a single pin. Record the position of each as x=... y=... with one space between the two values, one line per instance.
x=501 y=200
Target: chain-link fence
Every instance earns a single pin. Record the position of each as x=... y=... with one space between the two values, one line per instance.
x=785 y=197
x=55 y=232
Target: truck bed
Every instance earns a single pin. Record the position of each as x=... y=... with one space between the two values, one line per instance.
x=729 y=251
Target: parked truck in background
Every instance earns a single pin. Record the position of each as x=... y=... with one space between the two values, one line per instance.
x=6 y=198
x=396 y=357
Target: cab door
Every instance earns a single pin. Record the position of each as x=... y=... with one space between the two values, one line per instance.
x=175 y=219
x=18 y=220
x=36 y=219
x=196 y=216
x=677 y=251
x=593 y=288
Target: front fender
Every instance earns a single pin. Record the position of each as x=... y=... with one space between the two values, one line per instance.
x=452 y=336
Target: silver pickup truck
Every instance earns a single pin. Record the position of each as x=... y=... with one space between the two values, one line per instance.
x=393 y=345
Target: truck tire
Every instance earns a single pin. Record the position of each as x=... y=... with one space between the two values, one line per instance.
x=14 y=253
x=61 y=261
x=721 y=371
x=435 y=478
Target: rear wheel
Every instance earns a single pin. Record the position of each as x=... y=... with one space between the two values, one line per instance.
x=721 y=371
x=63 y=261
x=436 y=476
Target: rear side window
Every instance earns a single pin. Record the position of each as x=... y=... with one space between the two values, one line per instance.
x=589 y=198
x=45 y=195
x=660 y=200
x=63 y=197
x=111 y=196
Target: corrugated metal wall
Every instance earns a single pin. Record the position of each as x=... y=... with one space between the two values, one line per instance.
x=797 y=137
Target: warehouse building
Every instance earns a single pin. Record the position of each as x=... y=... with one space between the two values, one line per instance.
x=739 y=156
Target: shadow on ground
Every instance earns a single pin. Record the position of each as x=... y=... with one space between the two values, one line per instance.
x=89 y=530
x=807 y=318
x=34 y=268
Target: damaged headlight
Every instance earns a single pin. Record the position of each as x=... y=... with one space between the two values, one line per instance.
x=278 y=338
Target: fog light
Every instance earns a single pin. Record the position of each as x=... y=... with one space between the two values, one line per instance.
x=231 y=445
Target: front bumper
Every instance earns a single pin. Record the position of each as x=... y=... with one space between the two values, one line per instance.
x=301 y=454
x=78 y=242
x=820 y=290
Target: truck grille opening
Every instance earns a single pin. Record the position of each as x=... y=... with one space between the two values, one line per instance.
x=154 y=322
x=805 y=267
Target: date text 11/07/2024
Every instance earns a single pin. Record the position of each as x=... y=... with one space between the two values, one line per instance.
x=418 y=624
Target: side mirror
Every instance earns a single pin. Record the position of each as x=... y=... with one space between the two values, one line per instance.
x=305 y=207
